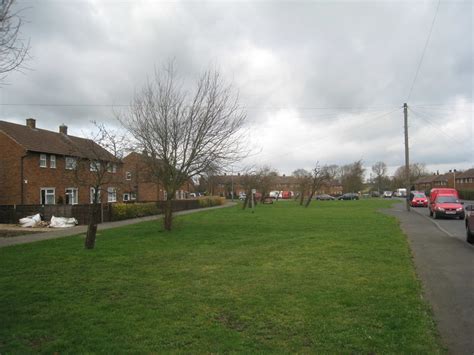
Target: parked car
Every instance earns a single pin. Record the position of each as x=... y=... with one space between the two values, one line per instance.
x=324 y=197
x=387 y=194
x=268 y=200
x=349 y=196
x=440 y=191
x=242 y=196
x=418 y=199
x=470 y=224
x=446 y=206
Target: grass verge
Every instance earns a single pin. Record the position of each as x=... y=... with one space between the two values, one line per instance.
x=336 y=277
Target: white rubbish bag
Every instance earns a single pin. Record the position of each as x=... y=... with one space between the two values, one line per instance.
x=30 y=221
x=62 y=222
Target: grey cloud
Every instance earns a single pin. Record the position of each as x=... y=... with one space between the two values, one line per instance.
x=299 y=55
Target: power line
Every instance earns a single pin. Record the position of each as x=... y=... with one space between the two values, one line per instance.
x=355 y=108
x=423 y=53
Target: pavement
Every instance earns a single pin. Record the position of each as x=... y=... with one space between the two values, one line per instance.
x=65 y=232
x=445 y=265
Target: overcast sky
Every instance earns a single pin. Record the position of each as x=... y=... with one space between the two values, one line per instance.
x=320 y=80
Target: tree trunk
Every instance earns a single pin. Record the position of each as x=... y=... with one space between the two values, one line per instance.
x=309 y=198
x=168 y=212
x=89 y=243
x=302 y=197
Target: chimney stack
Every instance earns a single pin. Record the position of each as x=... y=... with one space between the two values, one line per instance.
x=63 y=129
x=31 y=122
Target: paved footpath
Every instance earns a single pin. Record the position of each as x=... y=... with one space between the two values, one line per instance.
x=445 y=265
x=60 y=233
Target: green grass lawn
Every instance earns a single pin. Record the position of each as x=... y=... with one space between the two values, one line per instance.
x=334 y=278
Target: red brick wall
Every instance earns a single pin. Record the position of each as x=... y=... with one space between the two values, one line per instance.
x=10 y=171
x=36 y=177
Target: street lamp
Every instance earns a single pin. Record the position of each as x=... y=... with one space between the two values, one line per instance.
x=454 y=177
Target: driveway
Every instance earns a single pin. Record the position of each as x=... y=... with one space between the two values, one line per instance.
x=445 y=264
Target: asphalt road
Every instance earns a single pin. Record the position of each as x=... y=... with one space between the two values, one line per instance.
x=454 y=228
x=444 y=262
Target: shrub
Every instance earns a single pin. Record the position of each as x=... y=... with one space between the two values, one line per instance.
x=209 y=201
x=122 y=211
x=466 y=194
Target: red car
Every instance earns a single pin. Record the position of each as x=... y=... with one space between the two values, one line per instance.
x=418 y=199
x=446 y=206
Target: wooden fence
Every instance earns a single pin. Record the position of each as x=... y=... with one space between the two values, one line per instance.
x=12 y=213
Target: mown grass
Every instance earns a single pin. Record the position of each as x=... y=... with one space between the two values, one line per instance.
x=334 y=278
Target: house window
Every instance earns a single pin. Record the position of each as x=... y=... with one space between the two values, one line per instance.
x=71 y=163
x=126 y=197
x=111 y=194
x=128 y=175
x=93 y=195
x=112 y=168
x=47 y=196
x=52 y=161
x=43 y=162
x=133 y=196
x=71 y=196
x=95 y=165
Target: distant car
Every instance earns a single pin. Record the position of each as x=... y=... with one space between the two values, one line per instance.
x=387 y=194
x=470 y=224
x=324 y=197
x=349 y=196
x=418 y=199
x=242 y=196
x=446 y=206
x=268 y=200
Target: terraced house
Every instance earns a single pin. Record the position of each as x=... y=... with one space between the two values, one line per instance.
x=38 y=166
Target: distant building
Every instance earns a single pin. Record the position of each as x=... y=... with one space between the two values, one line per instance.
x=465 y=180
x=141 y=185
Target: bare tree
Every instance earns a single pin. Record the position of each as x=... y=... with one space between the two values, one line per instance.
x=13 y=49
x=303 y=181
x=97 y=166
x=380 y=171
x=185 y=133
x=266 y=178
x=319 y=176
x=248 y=180
x=352 y=176
x=417 y=170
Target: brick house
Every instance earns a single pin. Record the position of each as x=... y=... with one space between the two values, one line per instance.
x=38 y=166
x=465 y=180
x=425 y=183
x=140 y=185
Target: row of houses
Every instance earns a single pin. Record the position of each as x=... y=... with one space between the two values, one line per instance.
x=223 y=185
x=38 y=166
x=453 y=179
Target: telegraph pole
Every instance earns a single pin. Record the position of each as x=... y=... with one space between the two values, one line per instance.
x=407 y=157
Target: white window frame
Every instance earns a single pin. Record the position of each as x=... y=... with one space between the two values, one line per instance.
x=43 y=163
x=133 y=196
x=126 y=197
x=128 y=175
x=52 y=161
x=46 y=195
x=71 y=163
x=111 y=168
x=74 y=200
x=92 y=192
x=111 y=194
x=94 y=165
